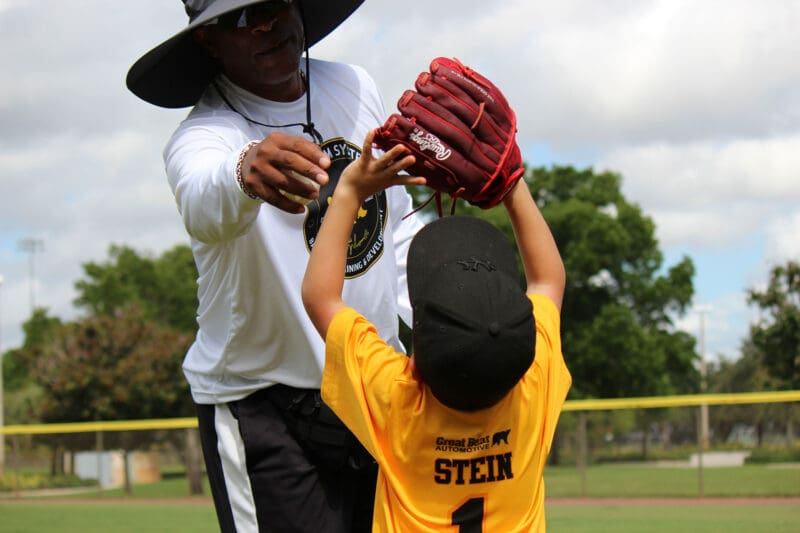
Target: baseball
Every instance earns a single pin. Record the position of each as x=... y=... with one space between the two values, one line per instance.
x=294 y=197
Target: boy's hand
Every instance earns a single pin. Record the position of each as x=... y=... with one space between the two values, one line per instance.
x=367 y=175
x=324 y=278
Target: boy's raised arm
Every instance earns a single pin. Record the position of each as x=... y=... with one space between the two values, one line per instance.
x=544 y=269
x=324 y=277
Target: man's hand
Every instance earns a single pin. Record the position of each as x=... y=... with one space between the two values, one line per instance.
x=285 y=171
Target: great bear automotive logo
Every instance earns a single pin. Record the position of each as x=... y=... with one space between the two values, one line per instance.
x=471 y=444
x=366 y=242
x=480 y=465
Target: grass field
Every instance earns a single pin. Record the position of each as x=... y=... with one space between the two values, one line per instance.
x=637 y=481
x=677 y=518
x=610 y=517
x=64 y=517
x=115 y=512
x=621 y=481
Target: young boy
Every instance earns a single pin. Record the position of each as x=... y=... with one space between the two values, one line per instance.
x=460 y=429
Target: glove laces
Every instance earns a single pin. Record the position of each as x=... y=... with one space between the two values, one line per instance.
x=437 y=195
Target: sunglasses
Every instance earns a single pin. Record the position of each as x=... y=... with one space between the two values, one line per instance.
x=250 y=16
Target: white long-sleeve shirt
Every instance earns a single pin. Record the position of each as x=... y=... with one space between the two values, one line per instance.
x=251 y=257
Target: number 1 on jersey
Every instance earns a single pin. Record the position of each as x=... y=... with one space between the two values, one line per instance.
x=469 y=517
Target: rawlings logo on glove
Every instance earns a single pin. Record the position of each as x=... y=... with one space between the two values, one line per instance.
x=430 y=142
x=462 y=132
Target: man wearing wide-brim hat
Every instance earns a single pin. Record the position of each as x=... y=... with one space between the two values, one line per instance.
x=252 y=168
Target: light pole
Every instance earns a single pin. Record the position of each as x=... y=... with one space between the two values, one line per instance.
x=31 y=246
x=702 y=310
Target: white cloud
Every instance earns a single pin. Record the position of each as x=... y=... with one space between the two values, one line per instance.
x=710 y=192
x=600 y=73
x=80 y=155
x=783 y=239
x=695 y=103
x=719 y=326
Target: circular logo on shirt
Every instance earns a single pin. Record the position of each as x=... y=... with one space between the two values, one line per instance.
x=366 y=242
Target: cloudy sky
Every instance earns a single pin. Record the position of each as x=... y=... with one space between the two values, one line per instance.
x=695 y=103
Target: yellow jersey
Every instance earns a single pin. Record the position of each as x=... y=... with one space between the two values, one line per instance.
x=443 y=469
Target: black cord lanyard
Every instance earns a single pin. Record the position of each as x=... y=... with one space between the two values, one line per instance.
x=308 y=126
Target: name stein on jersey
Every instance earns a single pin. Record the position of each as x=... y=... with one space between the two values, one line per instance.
x=473 y=470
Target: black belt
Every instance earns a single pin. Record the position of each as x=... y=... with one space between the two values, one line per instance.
x=317 y=428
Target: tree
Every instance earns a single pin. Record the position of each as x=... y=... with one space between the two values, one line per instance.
x=117 y=367
x=164 y=288
x=777 y=333
x=38 y=330
x=746 y=374
x=113 y=368
x=176 y=273
x=124 y=360
x=776 y=336
x=23 y=396
x=618 y=307
x=620 y=303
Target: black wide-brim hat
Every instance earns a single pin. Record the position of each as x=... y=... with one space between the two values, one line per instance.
x=175 y=73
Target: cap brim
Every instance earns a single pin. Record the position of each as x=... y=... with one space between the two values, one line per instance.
x=453 y=239
x=175 y=73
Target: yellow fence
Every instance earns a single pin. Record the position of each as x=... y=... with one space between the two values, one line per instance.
x=651 y=402
x=688 y=400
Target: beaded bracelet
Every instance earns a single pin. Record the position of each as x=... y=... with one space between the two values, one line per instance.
x=239 y=176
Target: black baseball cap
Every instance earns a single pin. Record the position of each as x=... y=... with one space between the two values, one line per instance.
x=473 y=330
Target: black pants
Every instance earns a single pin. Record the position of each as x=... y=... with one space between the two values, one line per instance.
x=280 y=461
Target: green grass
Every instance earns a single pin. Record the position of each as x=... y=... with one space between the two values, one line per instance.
x=673 y=518
x=106 y=518
x=45 y=515
x=173 y=487
x=635 y=480
x=199 y=518
x=601 y=481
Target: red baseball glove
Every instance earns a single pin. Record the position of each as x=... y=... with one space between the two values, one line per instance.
x=461 y=130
